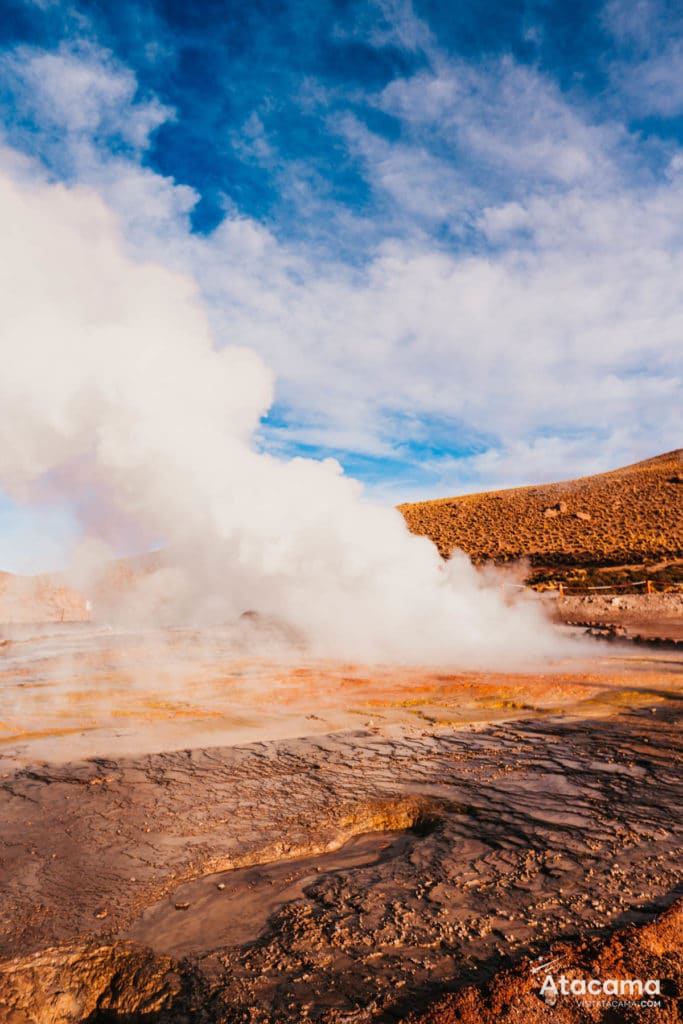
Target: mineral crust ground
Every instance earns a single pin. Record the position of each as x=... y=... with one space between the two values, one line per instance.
x=219 y=838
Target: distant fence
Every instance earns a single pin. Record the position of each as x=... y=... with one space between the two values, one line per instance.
x=564 y=589
x=649 y=589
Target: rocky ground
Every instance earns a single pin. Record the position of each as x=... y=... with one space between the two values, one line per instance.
x=647 y=616
x=652 y=951
x=352 y=876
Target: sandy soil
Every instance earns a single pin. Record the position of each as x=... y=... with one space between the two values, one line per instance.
x=368 y=839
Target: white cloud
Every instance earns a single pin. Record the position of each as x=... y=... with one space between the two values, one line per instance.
x=647 y=69
x=418 y=183
x=563 y=319
x=251 y=142
x=545 y=460
x=85 y=93
x=637 y=23
x=503 y=119
x=385 y=23
x=653 y=86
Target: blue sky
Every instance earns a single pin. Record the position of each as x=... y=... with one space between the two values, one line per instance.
x=451 y=230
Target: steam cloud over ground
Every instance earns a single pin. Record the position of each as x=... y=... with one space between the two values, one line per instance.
x=116 y=395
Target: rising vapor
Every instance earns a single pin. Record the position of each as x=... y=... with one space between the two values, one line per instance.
x=113 y=393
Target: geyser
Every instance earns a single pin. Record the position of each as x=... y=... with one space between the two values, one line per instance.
x=113 y=393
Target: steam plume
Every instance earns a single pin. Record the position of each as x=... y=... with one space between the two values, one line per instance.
x=111 y=386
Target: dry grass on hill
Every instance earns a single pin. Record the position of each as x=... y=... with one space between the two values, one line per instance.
x=629 y=518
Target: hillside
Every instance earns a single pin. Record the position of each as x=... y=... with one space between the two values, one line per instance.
x=46 y=598
x=609 y=525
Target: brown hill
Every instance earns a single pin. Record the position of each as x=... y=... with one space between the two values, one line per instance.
x=45 y=598
x=114 y=588
x=630 y=518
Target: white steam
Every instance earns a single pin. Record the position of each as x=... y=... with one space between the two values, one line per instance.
x=111 y=387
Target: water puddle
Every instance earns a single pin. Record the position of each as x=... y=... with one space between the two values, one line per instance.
x=232 y=908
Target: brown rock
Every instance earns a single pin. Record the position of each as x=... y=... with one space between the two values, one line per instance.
x=69 y=984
